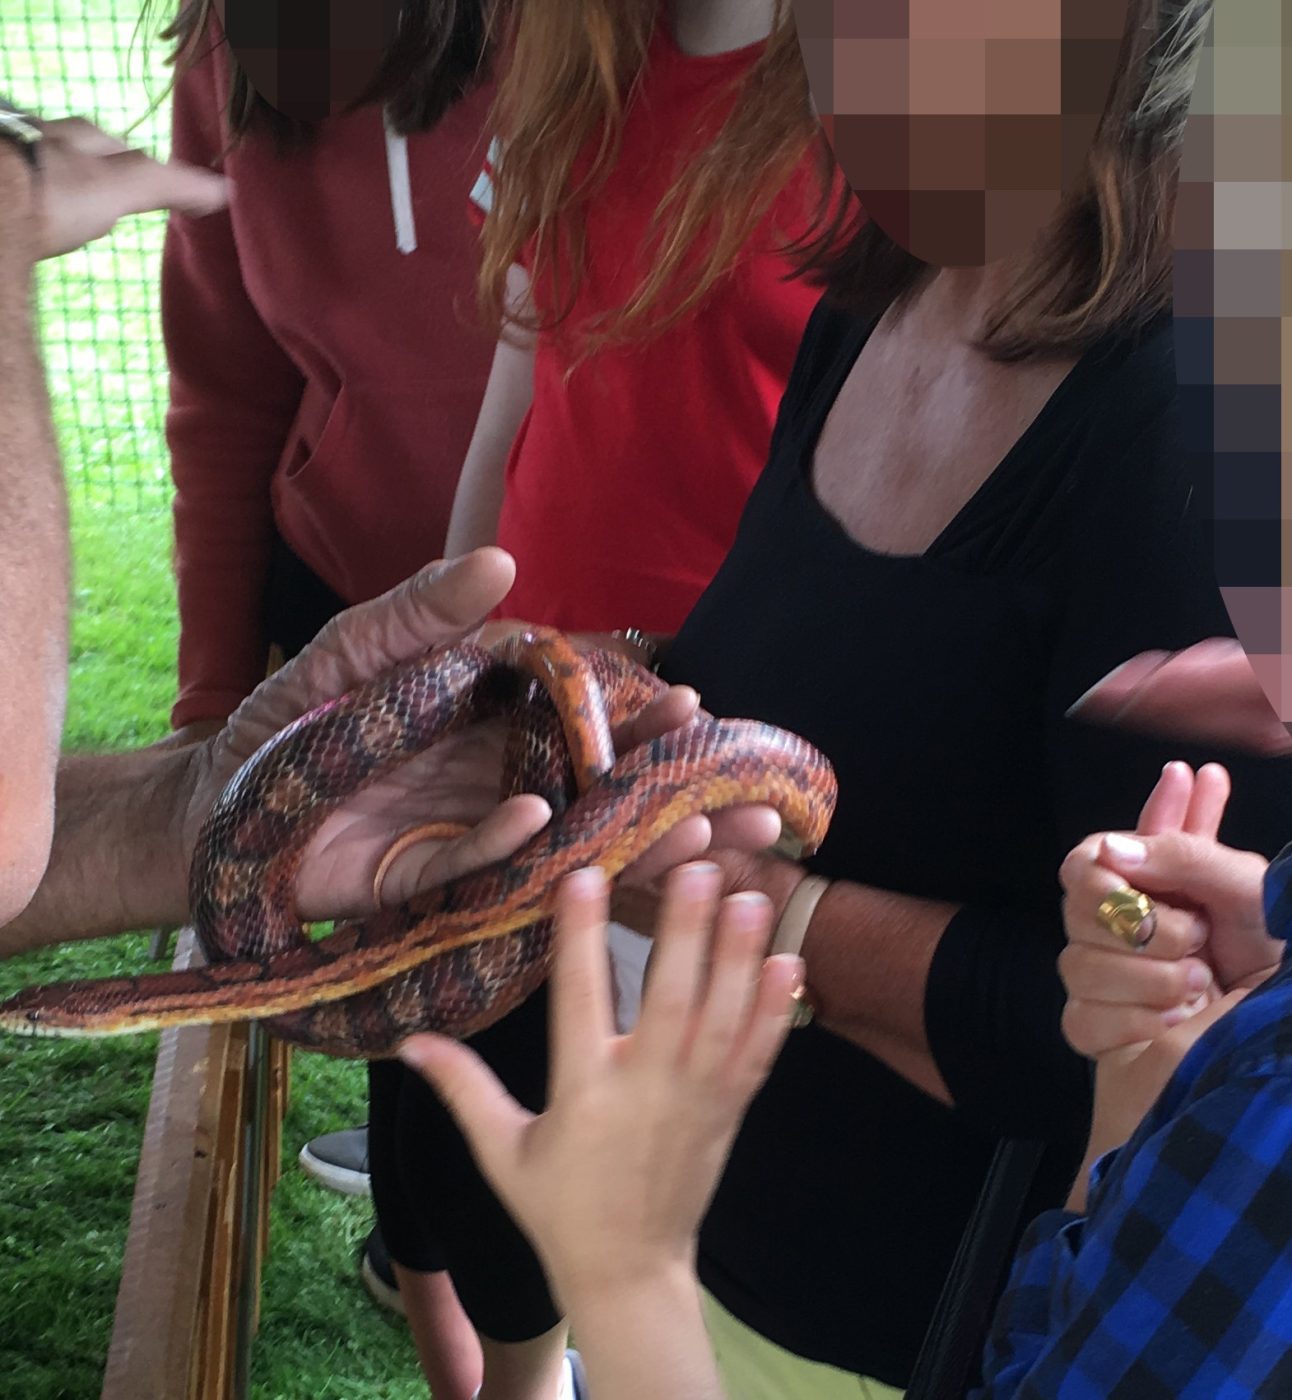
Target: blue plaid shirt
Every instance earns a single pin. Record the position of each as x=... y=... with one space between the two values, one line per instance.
x=1177 y=1283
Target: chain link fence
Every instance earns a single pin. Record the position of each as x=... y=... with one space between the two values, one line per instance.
x=99 y=307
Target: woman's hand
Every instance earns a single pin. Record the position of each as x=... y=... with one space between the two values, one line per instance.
x=457 y=781
x=1209 y=936
x=493 y=632
x=1137 y=1012
x=750 y=868
x=612 y=1180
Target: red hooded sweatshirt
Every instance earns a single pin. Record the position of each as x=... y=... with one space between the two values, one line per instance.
x=326 y=364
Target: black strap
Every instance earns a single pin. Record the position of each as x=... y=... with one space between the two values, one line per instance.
x=951 y=1354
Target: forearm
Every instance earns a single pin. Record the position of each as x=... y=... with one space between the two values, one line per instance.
x=478 y=503
x=646 y=1340
x=507 y=399
x=868 y=954
x=118 y=854
x=33 y=560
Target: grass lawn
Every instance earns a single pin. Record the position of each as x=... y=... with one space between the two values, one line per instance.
x=71 y=1114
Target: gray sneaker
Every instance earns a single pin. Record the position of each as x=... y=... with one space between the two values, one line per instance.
x=339 y=1161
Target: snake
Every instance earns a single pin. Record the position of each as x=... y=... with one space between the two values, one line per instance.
x=456 y=957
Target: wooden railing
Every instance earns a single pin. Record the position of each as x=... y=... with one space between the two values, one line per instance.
x=188 y=1305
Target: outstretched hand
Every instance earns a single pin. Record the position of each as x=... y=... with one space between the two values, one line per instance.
x=612 y=1179
x=457 y=781
x=90 y=180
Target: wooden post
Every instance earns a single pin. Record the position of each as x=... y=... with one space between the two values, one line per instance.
x=188 y=1304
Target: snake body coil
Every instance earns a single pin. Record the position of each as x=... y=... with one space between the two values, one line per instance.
x=456 y=958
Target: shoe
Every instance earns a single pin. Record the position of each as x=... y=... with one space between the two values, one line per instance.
x=378 y=1273
x=574 y=1386
x=339 y=1161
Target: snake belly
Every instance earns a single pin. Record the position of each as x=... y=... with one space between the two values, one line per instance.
x=458 y=957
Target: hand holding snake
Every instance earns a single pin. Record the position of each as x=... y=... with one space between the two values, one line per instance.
x=457 y=957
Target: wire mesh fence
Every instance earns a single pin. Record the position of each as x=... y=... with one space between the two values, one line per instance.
x=99 y=307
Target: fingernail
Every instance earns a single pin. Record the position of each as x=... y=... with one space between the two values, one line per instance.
x=748 y=905
x=1178 y=1014
x=1125 y=849
x=586 y=881
x=410 y=1052
x=440 y=569
x=1199 y=978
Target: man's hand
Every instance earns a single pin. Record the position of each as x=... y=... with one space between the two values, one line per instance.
x=128 y=822
x=458 y=780
x=89 y=180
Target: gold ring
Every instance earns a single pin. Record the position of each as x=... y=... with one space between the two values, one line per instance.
x=1130 y=916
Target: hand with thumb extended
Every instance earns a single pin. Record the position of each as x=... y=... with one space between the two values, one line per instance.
x=1208 y=927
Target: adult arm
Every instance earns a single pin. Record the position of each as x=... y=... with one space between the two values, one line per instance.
x=127 y=823
x=88 y=181
x=507 y=399
x=1018 y=1073
x=967 y=1001
x=33 y=559
x=234 y=394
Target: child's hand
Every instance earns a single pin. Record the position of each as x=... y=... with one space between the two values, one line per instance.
x=612 y=1180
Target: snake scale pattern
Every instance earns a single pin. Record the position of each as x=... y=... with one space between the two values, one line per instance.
x=455 y=958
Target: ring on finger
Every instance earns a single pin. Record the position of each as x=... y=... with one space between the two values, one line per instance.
x=1129 y=915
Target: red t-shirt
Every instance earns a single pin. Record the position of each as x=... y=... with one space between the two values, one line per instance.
x=626 y=481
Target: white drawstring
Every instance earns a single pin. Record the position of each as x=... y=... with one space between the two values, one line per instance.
x=401 y=189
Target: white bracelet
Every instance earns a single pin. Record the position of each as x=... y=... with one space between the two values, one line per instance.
x=792 y=928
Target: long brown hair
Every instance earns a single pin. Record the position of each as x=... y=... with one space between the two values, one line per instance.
x=571 y=73
x=1105 y=263
x=440 y=53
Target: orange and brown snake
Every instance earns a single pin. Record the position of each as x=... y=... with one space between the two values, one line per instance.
x=458 y=957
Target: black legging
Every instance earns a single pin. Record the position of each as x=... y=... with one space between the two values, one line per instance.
x=434 y=1208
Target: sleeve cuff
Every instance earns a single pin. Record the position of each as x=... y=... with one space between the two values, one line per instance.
x=992 y=1011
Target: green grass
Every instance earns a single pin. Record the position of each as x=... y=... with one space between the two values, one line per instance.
x=72 y=1113
x=102 y=349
